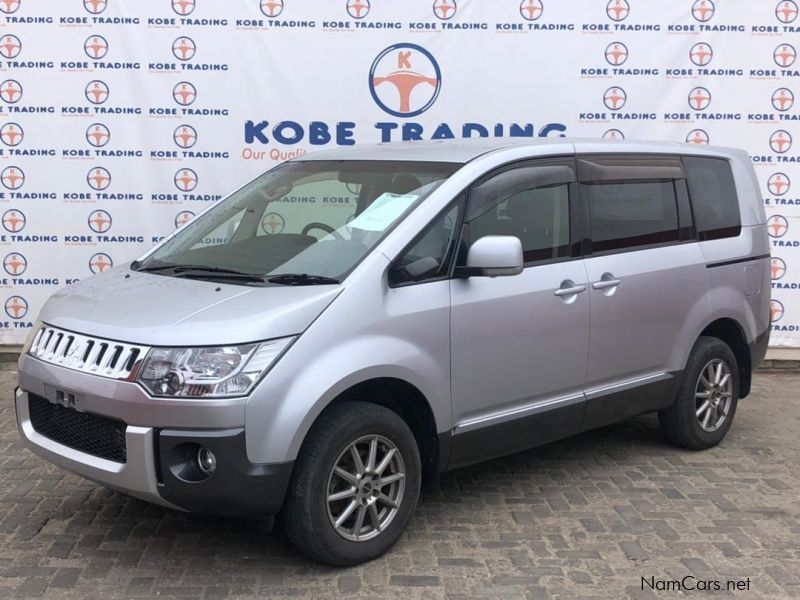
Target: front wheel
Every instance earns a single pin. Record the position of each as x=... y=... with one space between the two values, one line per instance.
x=707 y=398
x=355 y=485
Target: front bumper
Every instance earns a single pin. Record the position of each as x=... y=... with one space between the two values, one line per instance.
x=136 y=477
x=160 y=439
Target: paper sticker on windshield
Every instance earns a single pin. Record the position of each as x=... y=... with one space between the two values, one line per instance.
x=383 y=211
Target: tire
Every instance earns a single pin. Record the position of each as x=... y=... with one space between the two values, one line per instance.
x=689 y=422
x=309 y=517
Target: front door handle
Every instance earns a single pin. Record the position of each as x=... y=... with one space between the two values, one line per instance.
x=607 y=282
x=568 y=288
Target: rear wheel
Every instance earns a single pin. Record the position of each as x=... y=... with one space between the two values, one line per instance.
x=709 y=392
x=355 y=485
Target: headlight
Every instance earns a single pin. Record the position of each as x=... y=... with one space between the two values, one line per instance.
x=214 y=372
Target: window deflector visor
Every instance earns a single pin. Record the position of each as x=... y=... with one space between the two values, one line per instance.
x=595 y=170
x=515 y=181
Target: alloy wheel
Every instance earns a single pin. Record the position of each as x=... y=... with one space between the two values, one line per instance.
x=713 y=394
x=365 y=488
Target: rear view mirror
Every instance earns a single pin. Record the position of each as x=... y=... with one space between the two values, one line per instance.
x=493 y=256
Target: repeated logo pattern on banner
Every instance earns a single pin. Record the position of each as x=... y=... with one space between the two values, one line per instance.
x=122 y=119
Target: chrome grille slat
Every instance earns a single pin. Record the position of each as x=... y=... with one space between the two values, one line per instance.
x=87 y=354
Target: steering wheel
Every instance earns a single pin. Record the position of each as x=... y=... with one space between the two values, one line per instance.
x=324 y=227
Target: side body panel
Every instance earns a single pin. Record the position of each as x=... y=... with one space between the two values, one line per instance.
x=518 y=357
x=371 y=331
x=741 y=290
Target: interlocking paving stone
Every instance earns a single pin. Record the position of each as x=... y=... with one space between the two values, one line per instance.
x=586 y=517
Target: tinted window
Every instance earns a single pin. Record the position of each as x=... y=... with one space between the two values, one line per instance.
x=426 y=258
x=713 y=196
x=539 y=217
x=632 y=214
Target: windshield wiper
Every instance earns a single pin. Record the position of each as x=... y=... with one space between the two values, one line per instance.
x=204 y=270
x=302 y=279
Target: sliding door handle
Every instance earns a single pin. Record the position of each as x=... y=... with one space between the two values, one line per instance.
x=607 y=282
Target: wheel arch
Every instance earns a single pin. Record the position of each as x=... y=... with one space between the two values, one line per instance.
x=731 y=332
x=410 y=404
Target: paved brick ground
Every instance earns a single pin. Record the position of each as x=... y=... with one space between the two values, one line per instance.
x=586 y=517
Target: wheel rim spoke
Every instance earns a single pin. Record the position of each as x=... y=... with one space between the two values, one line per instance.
x=703 y=408
x=359 y=464
x=359 y=524
x=346 y=475
x=373 y=452
x=343 y=495
x=386 y=500
x=384 y=481
x=346 y=514
x=373 y=516
x=385 y=462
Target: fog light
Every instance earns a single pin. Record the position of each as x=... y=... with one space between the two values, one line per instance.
x=206 y=460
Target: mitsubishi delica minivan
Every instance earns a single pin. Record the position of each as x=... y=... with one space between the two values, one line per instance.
x=326 y=340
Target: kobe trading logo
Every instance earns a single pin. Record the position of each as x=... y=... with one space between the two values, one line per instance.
x=98 y=178
x=15 y=264
x=618 y=10
x=99 y=221
x=531 y=10
x=12 y=177
x=11 y=134
x=10 y=46
x=185 y=180
x=776 y=310
x=271 y=8
x=183 y=217
x=9 y=6
x=405 y=80
x=703 y=10
x=358 y=9
x=14 y=220
x=16 y=307
x=100 y=262
x=778 y=184
x=777 y=226
x=444 y=9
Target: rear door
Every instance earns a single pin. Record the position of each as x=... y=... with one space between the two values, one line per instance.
x=647 y=280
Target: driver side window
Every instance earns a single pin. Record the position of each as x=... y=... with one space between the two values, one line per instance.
x=427 y=258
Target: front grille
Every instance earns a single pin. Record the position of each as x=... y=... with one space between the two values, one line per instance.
x=92 y=434
x=107 y=358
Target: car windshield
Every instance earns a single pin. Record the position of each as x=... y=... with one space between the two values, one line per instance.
x=305 y=222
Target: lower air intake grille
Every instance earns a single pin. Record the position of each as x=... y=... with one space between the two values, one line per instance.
x=92 y=434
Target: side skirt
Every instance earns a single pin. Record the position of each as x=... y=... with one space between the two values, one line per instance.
x=613 y=404
x=601 y=407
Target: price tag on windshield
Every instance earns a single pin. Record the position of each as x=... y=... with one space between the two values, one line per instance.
x=383 y=211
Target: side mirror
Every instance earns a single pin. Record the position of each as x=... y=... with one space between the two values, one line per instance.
x=493 y=256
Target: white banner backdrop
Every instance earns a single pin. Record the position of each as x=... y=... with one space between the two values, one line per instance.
x=120 y=119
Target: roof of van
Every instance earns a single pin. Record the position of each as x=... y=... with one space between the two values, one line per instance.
x=462 y=151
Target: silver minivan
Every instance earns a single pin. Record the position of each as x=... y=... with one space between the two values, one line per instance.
x=330 y=337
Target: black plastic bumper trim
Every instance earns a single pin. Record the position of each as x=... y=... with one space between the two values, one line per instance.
x=237 y=487
x=758 y=348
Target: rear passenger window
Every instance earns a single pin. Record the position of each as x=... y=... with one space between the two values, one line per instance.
x=713 y=196
x=632 y=214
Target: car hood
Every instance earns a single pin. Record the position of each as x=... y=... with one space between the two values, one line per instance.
x=150 y=309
